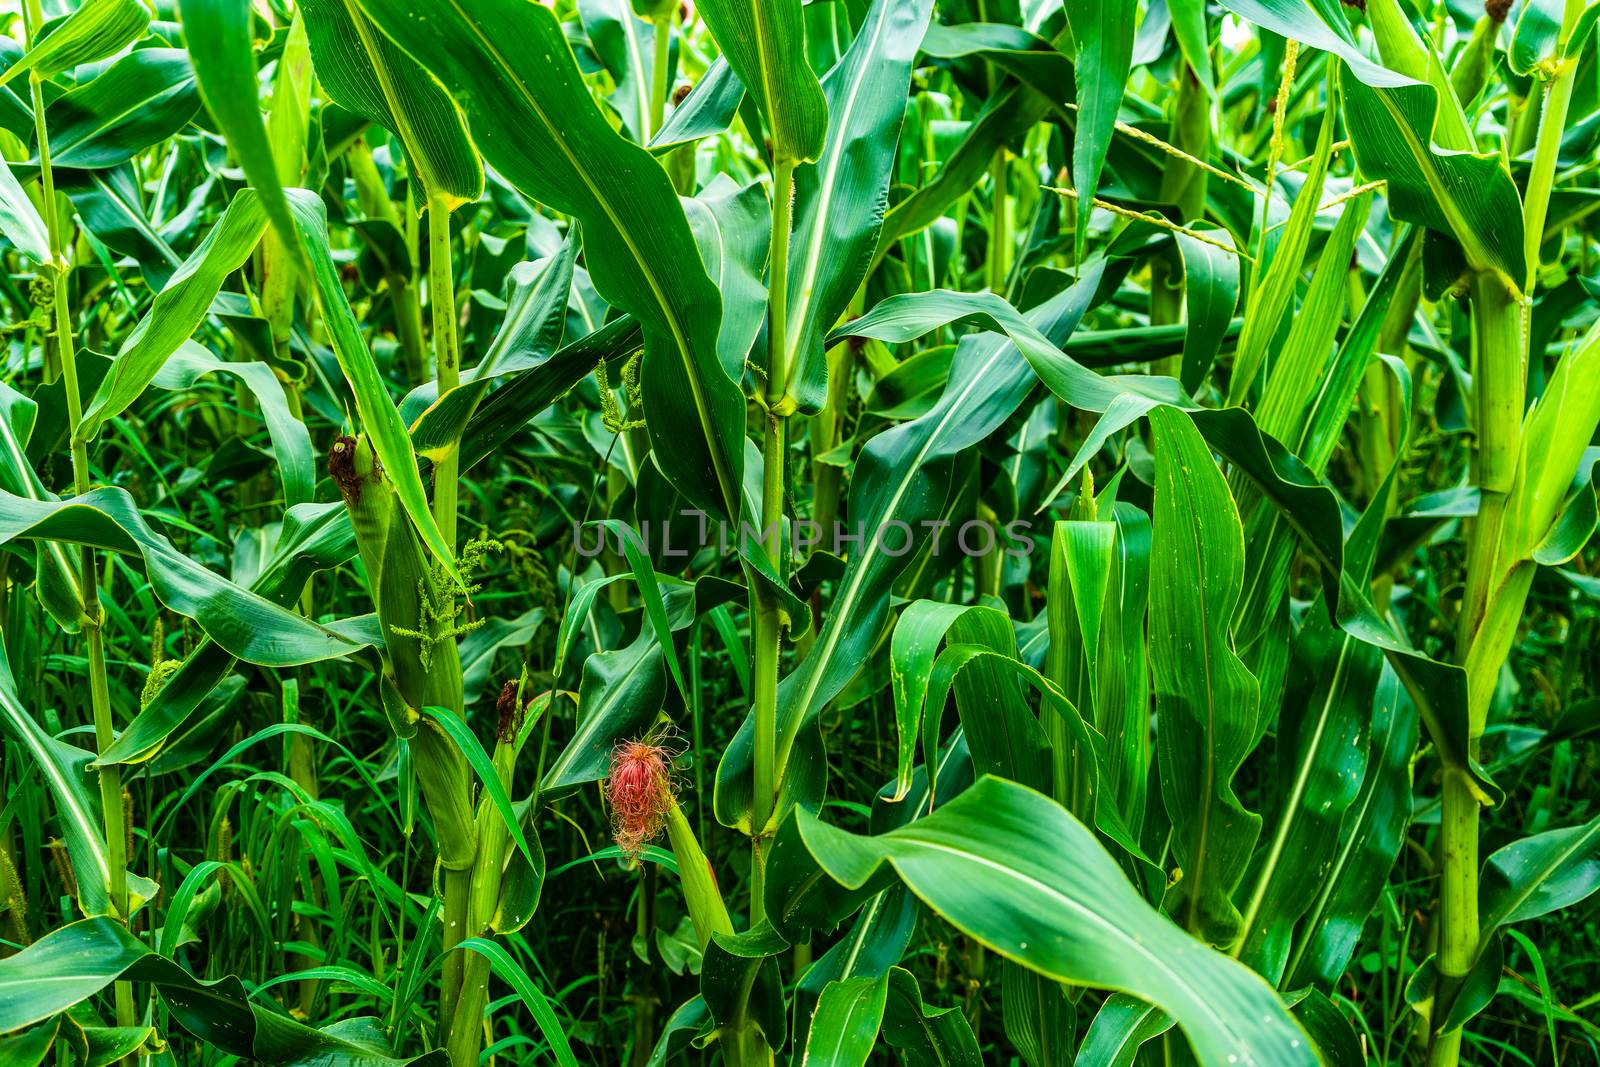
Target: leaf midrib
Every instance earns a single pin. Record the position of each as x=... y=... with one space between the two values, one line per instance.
x=668 y=313
x=834 y=153
x=1156 y=962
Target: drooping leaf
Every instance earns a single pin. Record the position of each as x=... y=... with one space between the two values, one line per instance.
x=95 y=30
x=1211 y=290
x=177 y=311
x=1009 y=867
x=291 y=444
x=141 y=100
x=220 y=39
x=310 y=539
x=246 y=624
x=20 y=220
x=709 y=109
x=533 y=120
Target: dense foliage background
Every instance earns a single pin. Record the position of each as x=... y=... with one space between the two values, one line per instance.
x=923 y=531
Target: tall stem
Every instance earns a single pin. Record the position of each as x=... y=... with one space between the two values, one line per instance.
x=768 y=621
x=446 y=356
x=1499 y=377
x=111 y=808
x=466 y=1028
x=446 y=478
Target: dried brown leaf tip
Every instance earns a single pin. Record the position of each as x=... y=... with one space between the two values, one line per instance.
x=342 y=469
x=511 y=713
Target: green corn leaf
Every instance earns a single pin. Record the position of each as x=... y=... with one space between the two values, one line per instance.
x=1121 y=1026
x=534 y=122
x=247 y=625
x=1103 y=57
x=1323 y=758
x=733 y=226
x=1008 y=867
x=1210 y=293
x=58 y=584
x=1538 y=35
x=177 y=311
x=1194 y=40
x=765 y=44
x=140 y=100
x=844 y=1027
x=709 y=109
x=110 y=206
x=1370 y=839
x=1391 y=117
x=220 y=38
x=528 y=392
x=620 y=696
x=624 y=40
x=840 y=200
x=1029 y=58
x=902 y=476
x=1536 y=876
x=1557 y=436
x=1037 y=1011
x=365 y=72
x=63 y=769
x=471 y=748
x=913 y=649
x=925 y=1034
x=1206 y=698
x=291 y=443
x=1402 y=49
x=20 y=220
x=644 y=575
x=1305 y=504
x=537 y=1003
x=528 y=339
x=97 y=29
x=1540 y=874
x=73 y=963
x=311 y=538
x=1272 y=295
x=1005 y=119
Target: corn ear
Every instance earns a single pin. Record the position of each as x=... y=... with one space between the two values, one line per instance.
x=426 y=669
x=706 y=909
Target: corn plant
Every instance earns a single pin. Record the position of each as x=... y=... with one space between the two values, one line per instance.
x=833 y=532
